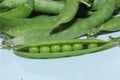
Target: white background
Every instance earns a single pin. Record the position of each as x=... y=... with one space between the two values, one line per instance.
x=104 y=65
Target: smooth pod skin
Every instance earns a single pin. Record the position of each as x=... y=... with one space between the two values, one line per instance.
x=21 y=29
x=45 y=6
x=67 y=13
x=111 y=25
x=103 y=45
x=42 y=6
x=11 y=3
x=22 y=11
x=117 y=3
x=12 y=22
x=78 y=28
x=97 y=3
x=82 y=26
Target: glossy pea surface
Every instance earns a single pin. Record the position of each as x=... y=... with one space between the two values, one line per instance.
x=34 y=50
x=45 y=49
x=66 y=48
x=92 y=45
x=55 y=48
x=77 y=46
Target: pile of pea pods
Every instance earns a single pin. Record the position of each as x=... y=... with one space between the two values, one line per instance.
x=49 y=29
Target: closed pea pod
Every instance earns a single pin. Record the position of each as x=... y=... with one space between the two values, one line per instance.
x=68 y=12
x=18 y=30
x=12 y=22
x=82 y=26
x=14 y=27
x=47 y=47
x=97 y=4
x=11 y=3
x=19 y=12
x=117 y=3
x=111 y=25
x=42 y=6
x=51 y=7
x=78 y=28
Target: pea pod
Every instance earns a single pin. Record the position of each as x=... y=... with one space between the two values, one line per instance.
x=21 y=29
x=73 y=30
x=117 y=3
x=82 y=26
x=67 y=13
x=12 y=22
x=51 y=7
x=42 y=6
x=20 y=11
x=111 y=25
x=11 y=3
x=97 y=4
x=44 y=49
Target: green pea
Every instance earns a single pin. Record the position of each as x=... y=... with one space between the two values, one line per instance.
x=92 y=45
x=66 y=48
x=33 y=49
x=55 y=48
x=77 y=46
x=45 y=49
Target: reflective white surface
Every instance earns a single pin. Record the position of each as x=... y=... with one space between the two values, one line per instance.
x=103 y=65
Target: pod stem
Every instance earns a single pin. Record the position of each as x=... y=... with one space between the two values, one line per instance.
x=8 y=43
x=115 y=39
x=5 y=47
x=84 y=2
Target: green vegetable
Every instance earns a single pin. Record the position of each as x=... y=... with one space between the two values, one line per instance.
x=55 y=48
x=13 y=22
x=67 y=13
x=73 y=30
x=42 y=6
x=22 y=11
x=44 y=49
x=66 y=46
x=93 y=45
x=111 y=25
x=77 y=46
x=33 y=49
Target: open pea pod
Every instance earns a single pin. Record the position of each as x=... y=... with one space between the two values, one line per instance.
x=62 y=48
x=21 y=11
